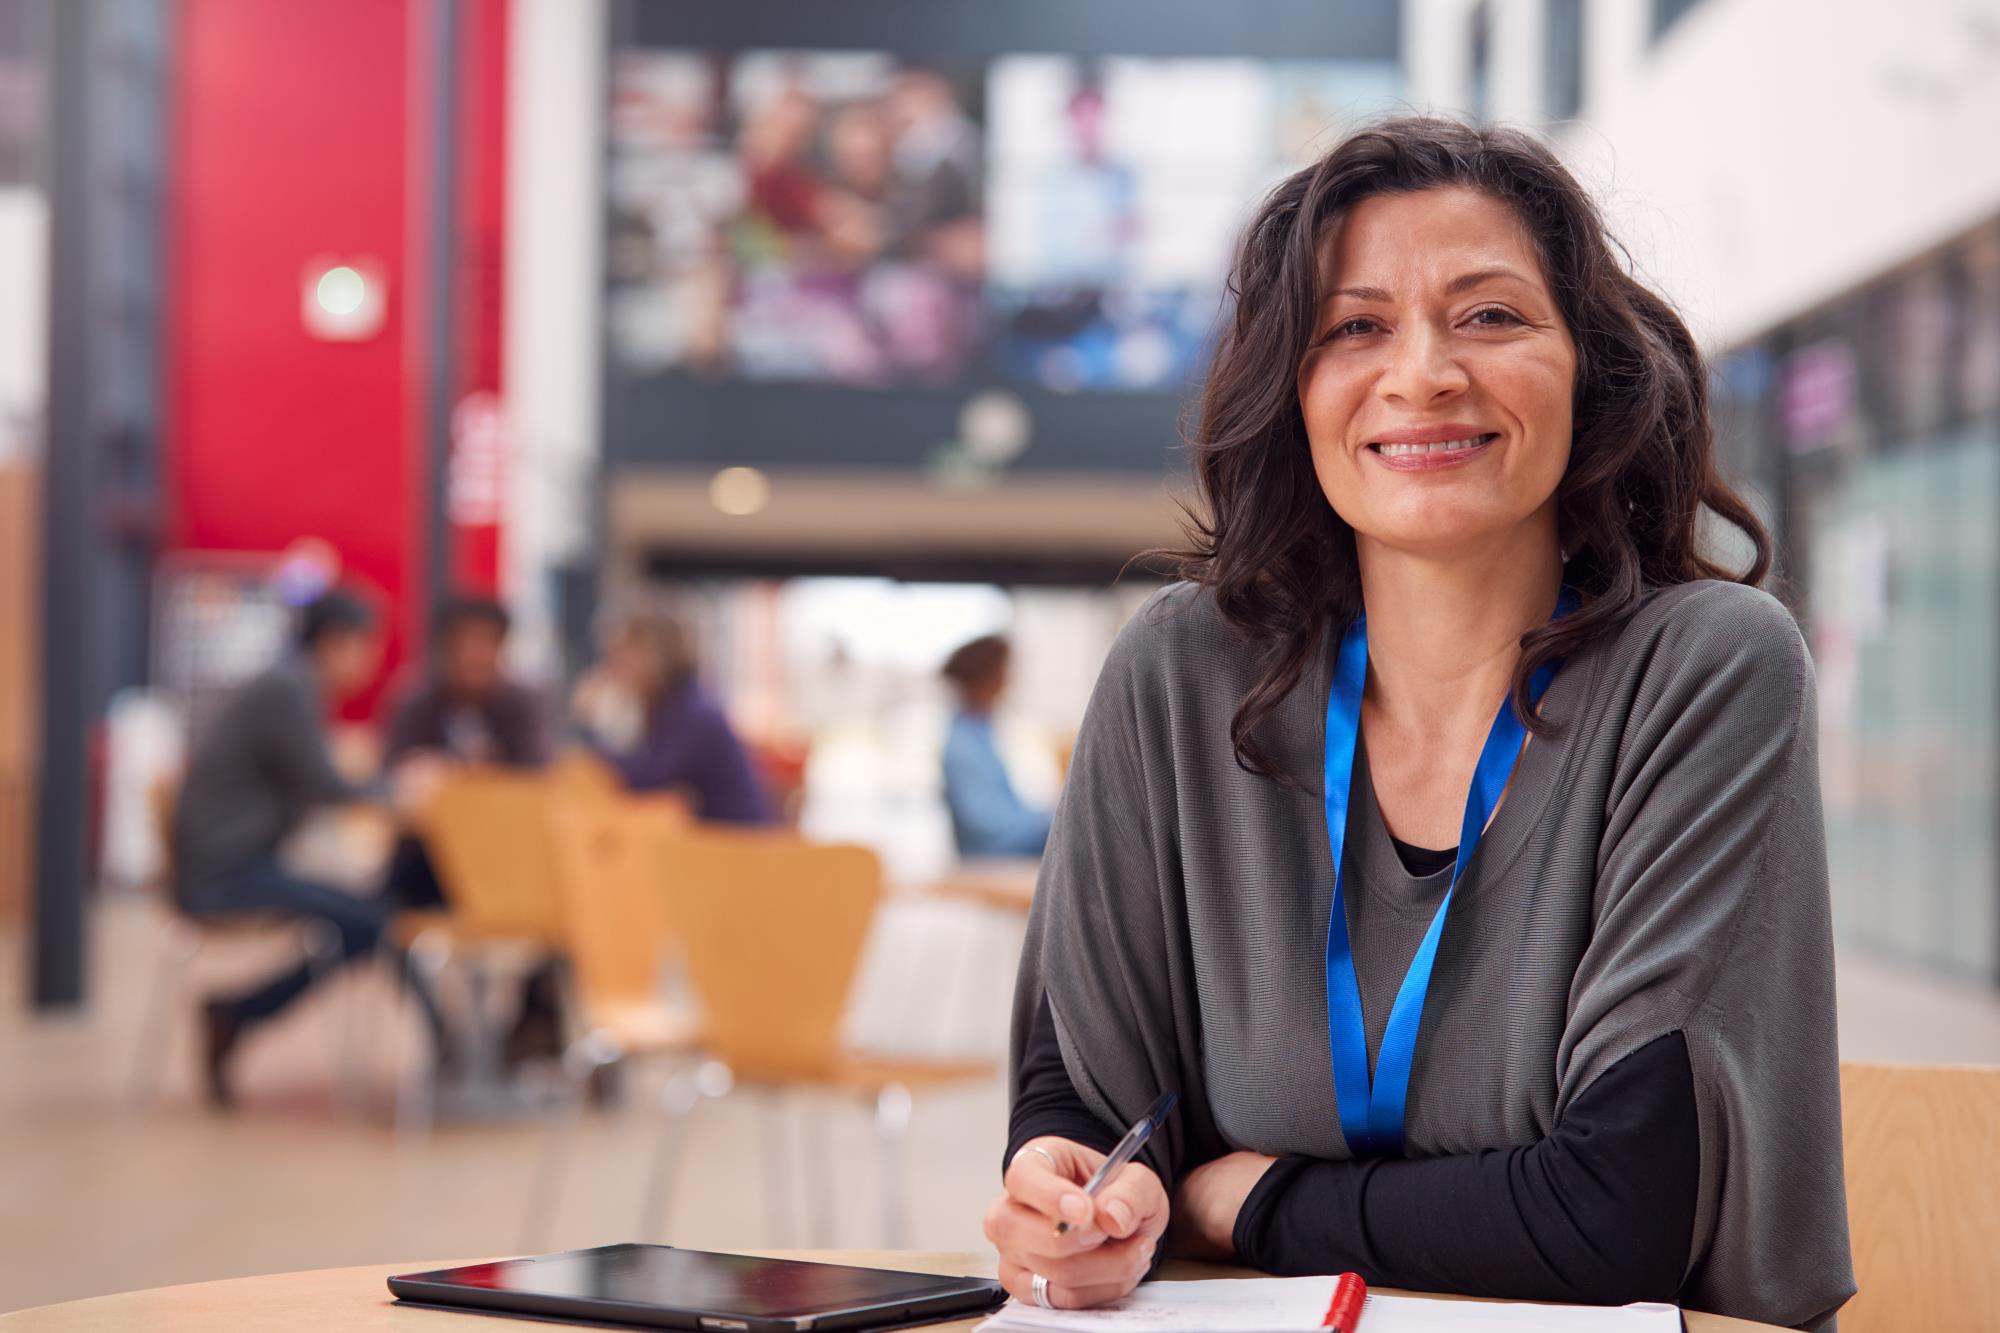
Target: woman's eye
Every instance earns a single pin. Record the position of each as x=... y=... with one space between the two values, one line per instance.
x=1506 y=317
x=1342 y=329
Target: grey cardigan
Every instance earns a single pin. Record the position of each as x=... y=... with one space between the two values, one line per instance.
x=1658 y=865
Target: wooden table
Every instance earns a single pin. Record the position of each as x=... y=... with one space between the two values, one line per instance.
x=1003 y=882
x=357 y=1299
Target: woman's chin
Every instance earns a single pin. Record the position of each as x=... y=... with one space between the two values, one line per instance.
x=1440 y=532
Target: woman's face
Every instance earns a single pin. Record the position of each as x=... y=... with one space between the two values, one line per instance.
x=1436 y=326
x=632 y=662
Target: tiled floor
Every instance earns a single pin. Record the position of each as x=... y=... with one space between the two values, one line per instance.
x=99 y=1192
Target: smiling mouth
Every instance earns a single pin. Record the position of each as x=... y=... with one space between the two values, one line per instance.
x=1444 y=447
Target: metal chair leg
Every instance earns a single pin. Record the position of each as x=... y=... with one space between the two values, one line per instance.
x=678 y=1102
x=416 y=1081
x=177 y=954
x=355 y=1008
x=817 y=1151
x=581 y=1060
x=777 y=1170
x=322 y=944
x=892 y=1122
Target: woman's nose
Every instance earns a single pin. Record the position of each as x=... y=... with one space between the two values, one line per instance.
x=1421 y=366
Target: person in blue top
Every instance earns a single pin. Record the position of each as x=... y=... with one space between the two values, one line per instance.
x=988 y=818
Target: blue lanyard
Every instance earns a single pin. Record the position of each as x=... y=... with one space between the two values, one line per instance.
x=1371 y=1112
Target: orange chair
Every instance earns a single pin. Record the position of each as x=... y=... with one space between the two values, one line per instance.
x=773 y=927
x=581 y=773
x=1923 y=1196
x=488 y=833
x=609 y=860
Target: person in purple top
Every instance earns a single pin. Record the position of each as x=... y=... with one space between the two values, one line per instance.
x=647 y=712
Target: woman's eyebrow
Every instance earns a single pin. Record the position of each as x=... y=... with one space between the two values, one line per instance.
x=1452 y=288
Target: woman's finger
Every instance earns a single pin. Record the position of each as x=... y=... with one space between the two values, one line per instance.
x=1020 y=1284
x=1119 y=1265
x=1036 y=1182
x=1132 y=1203
x=1026 y=1234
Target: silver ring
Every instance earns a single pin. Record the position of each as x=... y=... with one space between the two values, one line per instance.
x=1047 y=1156
x=1041 y=1286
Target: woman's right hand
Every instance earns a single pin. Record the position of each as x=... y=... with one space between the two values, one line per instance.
x=1108 y=1248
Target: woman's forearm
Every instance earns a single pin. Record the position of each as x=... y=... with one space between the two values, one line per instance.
x=1048 y=1103
x=1600 y=1211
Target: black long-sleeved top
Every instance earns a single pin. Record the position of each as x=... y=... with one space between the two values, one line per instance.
x=1601 y=1210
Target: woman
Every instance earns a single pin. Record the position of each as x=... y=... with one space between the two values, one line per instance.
x=647 y=712
x=1454 y=460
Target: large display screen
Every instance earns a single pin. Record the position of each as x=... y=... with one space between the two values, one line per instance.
x=869 y=219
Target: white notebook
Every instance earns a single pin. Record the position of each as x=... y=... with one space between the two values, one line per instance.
x=1299 y=1304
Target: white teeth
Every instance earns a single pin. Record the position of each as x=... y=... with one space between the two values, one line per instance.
x=1405 y=450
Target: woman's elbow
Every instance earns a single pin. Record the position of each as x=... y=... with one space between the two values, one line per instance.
x=1629 y=1260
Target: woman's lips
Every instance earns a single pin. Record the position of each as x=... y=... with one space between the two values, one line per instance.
x=1431 y=458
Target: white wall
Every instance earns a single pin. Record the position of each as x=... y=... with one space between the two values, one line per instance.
x=1766 y=155
x=23 y=317
x=1437 y=56
x=1799 y=149
x=554 y=242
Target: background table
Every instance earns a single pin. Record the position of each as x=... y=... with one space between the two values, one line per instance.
x=1003 y=882
x=357 y=1299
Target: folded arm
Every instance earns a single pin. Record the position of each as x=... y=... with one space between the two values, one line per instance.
x=1600 y=1211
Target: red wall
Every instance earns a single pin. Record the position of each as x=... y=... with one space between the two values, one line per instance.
x=294 y=125
x=291 y=136
x=477 y=530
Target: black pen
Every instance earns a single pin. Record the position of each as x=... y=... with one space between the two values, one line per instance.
x=1128 y=1148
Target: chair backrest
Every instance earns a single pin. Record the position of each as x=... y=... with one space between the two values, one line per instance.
x=579 y=772
x=1923 y=1196
x=773 y=926
x=490 y=836
x=611 y=857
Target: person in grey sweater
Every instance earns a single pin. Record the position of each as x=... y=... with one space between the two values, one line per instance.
x=1450 y=838
x=261 y=767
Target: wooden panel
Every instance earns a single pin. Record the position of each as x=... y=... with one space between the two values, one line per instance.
x=20 y=560
x=17 y=849
x=1923 y=1196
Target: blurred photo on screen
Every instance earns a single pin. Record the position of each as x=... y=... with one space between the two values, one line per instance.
x=796 y=215
x=1118 y=187
x=886 y=221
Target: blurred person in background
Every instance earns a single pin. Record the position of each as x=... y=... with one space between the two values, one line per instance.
x=934 y=205
x=466 y=712
x=645 y=710
x=466 y=708
x=262 y=766
x=988 y=818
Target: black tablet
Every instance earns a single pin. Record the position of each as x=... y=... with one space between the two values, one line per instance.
x=663 y=1287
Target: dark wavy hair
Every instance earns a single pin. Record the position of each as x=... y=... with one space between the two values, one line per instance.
x=1262 y=536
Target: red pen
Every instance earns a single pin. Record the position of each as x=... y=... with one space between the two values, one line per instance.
x=1343 y=1315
